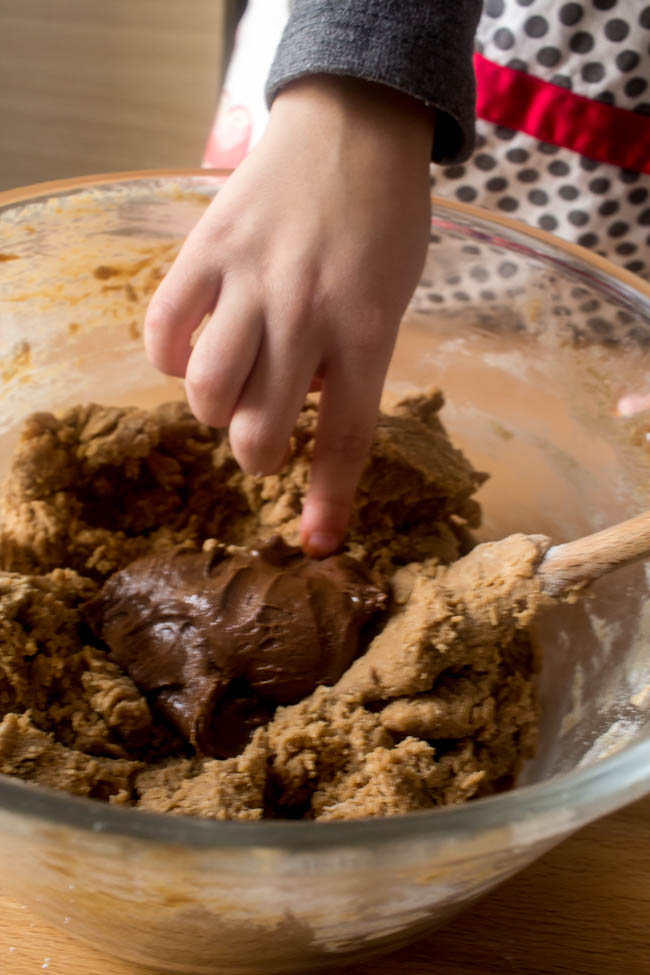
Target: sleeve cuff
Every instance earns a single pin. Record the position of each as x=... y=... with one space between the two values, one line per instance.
x=421 y=47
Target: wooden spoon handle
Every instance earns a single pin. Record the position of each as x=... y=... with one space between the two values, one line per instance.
x=574 y=564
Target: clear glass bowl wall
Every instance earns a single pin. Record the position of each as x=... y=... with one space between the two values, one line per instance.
x=540 y=349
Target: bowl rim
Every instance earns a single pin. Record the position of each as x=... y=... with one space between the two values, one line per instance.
x=576 y=796
x=32 y=192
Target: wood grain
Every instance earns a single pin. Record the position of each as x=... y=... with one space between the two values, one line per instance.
x=583 y=909
x=96 y=86
x=572 y=564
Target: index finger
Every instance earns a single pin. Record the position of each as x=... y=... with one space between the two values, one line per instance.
x=347 y=418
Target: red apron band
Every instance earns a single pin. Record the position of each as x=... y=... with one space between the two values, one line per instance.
x=550 y=113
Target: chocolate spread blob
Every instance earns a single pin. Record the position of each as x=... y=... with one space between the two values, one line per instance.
x=220 y=638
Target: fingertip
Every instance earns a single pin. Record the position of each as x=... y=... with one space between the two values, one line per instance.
x=320 y=544
x=323 y=527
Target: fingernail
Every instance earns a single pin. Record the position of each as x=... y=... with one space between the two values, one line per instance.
x=319 y=544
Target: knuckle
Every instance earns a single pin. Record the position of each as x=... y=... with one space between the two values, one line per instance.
x=204 y=397
x=255 y=449
x=199 y=382
x=160 y=317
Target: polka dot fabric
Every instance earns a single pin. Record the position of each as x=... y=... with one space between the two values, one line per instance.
x=599 y=49
x=593 y=204
x=596 y=48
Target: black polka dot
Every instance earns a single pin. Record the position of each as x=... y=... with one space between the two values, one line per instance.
x=502 y=132
x=604 y=4
x=587 y=240
x=547 y=222
x=496 y=185
x=644 y=219
x=578 y=217
x=644 y=18
x=579 y=292
x=538 y=197
x=589 y=307
x=628 y=176
x=504 y=38
x=508 y=203
x=548 y=57
x=558 y=168
x=599 y=325
x=616 y=29
x=454 y=172
x=618 y=228
x=517 y=155
x=525 y=3
x=625 y=317
x=484 y=161
x=507 y=268
x=453 y=279
x=635 y=86
x=588 y=164
x=643 y=108
x=470 y=249
x=528 y=176
x=592 y=71
x=599 y=185
x=568 y=192
x=570 y=14
x=626 y=248
x=635 y=266
x=435 y=238
x=562 y=81
x=517 y=64
x=627 y=60
x=487 y=295
x=435 y=297
x=639 y=195
x=606 y=97
x=536 y=26
x=466 y=194
x=494 y=8
x=581 y=42
x=609 y=207
x=547 y=148
x=479 y=273
x=461 y=296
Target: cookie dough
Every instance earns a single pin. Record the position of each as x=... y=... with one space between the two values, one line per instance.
x=438 y=707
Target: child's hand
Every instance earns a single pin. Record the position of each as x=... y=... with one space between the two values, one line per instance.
x=305 y=262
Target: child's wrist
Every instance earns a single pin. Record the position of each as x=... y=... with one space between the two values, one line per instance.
x=366 y=108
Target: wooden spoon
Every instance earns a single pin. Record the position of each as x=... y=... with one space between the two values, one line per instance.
x=575 y=564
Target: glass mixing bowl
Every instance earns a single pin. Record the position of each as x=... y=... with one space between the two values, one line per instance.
x=543 y=351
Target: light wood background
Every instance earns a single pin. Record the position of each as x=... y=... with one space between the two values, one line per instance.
x=91 y=86
x=583 y=909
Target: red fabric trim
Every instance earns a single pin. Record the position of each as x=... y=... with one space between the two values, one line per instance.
x=520 y=101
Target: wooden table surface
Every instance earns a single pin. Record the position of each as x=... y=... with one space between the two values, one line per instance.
x=583 y=909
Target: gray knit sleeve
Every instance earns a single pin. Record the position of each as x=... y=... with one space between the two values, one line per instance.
x=421 y=47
